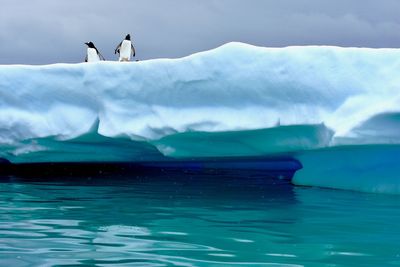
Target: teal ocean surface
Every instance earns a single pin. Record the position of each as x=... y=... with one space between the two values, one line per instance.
x=207 y=218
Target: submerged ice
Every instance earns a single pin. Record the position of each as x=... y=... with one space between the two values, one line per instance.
x=237 y=100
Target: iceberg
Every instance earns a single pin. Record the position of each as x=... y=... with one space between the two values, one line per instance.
x=314 y=104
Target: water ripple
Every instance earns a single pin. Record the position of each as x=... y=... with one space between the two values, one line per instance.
x=165 y=221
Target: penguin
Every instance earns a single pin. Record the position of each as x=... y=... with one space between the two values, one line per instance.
x=93 y=55
x=125 y=49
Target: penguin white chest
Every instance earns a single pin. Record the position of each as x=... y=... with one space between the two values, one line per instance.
x=125 y=51
x=92 y=55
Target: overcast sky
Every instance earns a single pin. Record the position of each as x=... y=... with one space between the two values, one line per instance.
x=50 y=31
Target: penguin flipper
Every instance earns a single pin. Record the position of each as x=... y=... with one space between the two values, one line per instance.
x=101 y=57
x=86 y=58
x=118 y=47
x=133 y=50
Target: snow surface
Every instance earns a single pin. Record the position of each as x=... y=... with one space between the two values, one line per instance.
x=237 y=92
x=234 y=87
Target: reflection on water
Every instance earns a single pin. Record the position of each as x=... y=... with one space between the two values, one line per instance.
x=207 y=219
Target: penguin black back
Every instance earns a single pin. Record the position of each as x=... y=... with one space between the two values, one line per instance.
x=91 y=45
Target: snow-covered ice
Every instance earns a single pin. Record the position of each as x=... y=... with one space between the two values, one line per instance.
x=235 y=100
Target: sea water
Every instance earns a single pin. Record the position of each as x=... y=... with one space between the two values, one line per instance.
x=204 y=218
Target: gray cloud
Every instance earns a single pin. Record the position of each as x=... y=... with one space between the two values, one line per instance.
x=48 y=31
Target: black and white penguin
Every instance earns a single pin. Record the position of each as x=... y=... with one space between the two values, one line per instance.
x=93 y=55
x=125 y=49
